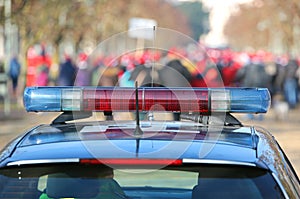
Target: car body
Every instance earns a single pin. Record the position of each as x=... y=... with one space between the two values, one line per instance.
x=196 y=157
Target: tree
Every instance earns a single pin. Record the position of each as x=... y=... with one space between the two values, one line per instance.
x=268 y=24
x=197 y=18
x=53 y=21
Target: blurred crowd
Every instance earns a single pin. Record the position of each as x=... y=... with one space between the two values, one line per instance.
x=175 y=67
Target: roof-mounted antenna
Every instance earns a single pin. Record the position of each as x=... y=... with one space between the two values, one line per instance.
x=150 y=114
x=153 y=61
x=138 y=131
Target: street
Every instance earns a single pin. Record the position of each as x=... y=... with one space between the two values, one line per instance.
x=286 y=132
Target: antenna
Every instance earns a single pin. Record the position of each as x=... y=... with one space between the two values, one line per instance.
x=150 y=114
x=153 y=60
x=138 y=131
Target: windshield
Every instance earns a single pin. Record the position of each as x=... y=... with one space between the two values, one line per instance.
x=99 y=181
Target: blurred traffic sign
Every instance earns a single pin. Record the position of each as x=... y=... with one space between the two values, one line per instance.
x=142 y=28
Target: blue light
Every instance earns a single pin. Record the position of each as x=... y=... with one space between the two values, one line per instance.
x=42 y=99
x=249 y=100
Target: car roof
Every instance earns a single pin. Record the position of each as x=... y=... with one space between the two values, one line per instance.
x=160 y=140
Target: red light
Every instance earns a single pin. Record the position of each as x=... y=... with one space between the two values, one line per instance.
x=128 y=161
x=123 y=99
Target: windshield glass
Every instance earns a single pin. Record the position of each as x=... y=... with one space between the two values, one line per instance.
x=99 y=181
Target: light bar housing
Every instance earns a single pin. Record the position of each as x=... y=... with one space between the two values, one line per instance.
x=111 y=99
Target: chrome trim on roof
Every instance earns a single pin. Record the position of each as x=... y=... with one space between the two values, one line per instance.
x=227 y=162
x=184 y=160
x=42 y=161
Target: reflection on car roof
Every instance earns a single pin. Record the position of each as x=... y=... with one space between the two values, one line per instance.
x=155 y=131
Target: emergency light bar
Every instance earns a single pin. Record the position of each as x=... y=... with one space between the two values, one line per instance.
x=199 y=100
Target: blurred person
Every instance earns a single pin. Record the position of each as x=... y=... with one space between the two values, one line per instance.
x=290 y=83
x=197 y=78
x=253 y=75
x=43 y=76
x=170 y=72
x=38 y=66
x=144 y=75
x=174 y=74
x=108 y=76
x=83 y=77
x=108 y=72
x=280 y=63
x=271 y=69
x=2 y=66
x=14 y=73
x=211 y=76
x=3 y=79
x=228 y=65
x=124 y=78
x=43 y=67
x=280 y=107
x=145 y=69
x=67 y=72
x=126 y=66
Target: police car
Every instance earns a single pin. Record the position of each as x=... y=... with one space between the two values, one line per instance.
x=208 y=153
